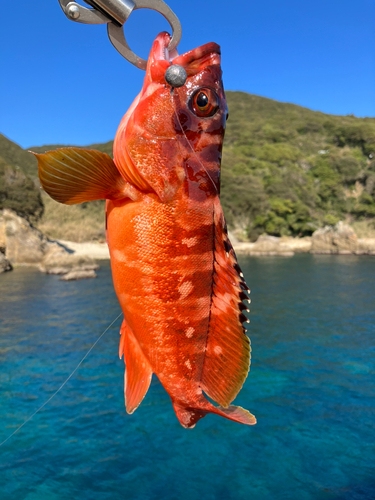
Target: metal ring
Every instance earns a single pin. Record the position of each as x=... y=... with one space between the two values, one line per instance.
x=117 y=36
x=76 y=12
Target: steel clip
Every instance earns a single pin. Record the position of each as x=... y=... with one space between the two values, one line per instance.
x=115 y=13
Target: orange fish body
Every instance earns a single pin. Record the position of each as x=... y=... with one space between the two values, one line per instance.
x=174 y=270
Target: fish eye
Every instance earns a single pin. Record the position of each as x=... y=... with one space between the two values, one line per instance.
x=204 y=102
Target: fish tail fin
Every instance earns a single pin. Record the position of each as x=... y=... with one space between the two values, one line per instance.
x=188 y=417
x=76 y=175
x=138 y=372
x=235 y=413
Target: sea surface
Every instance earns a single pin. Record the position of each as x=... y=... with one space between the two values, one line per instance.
x=311 y=387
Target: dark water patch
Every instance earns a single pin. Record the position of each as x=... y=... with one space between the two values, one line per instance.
x=311 y=387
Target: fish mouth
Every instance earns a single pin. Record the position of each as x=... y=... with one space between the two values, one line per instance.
x=160 y=51
x=192 y=61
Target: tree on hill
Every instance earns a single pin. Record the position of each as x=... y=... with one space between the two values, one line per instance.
x=288 y=170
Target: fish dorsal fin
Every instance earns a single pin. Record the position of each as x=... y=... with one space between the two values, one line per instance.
x=138 y=372
x=75 y=175
x=227 y=358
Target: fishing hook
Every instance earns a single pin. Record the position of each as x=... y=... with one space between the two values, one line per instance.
x=115 y=13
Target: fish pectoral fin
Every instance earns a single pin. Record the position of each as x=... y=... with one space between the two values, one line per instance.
x=138 y=372
x=75 y=175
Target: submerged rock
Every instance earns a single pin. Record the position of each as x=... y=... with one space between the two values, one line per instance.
x=78 y=274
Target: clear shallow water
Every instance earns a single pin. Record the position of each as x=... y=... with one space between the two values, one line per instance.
x=311 y=386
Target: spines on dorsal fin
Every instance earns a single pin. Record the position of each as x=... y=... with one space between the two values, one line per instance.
x=227 y=358
x=138 y=372
x=75 y=175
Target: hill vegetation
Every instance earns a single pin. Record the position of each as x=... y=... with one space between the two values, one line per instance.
x=19 y=193
x=286 y=170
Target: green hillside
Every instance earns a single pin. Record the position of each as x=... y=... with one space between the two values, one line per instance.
x=17 y=191
x=286 y=170
x=17 y=157
x=104 y=147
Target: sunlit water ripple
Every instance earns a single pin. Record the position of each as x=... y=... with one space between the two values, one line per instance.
x=311 y=387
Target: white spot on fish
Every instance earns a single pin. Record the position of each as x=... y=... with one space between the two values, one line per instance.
x=188 y=364
x=189 y=332
x=204 y=304
x=117 y=255
x=218 y=350
x=185 y=289
x=190 y=242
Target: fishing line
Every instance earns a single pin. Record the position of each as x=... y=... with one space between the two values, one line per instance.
x=190 y=145
x=62 y=385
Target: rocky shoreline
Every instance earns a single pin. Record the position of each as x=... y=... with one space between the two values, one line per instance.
x=335 y=240
x=21 y=244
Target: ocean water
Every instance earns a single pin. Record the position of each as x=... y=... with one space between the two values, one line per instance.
x=311 y=386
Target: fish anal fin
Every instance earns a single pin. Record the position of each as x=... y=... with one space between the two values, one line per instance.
x=138 y=372
x=227 y=357
x=75 y=175
x=121 y=347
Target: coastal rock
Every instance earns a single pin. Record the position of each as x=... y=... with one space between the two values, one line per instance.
x=26 y=245
x=270 y=246
x=5 y=265
x=78 y=274
x=339 y=239
x=366 y=246
x=95 y=249
x=297 y=245
x=2 y=233
x=58 y=260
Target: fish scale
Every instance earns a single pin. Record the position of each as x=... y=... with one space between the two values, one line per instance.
x=152 y=287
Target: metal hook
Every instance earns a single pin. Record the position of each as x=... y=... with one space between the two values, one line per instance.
x=115 y=13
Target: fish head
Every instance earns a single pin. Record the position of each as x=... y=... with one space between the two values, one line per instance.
x=174 y=135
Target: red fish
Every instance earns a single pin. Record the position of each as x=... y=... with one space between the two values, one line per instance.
x=174 y=270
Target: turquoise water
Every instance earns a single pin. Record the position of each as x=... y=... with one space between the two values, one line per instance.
x=311 y=387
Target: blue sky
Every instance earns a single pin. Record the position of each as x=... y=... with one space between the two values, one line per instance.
x=63 y=82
